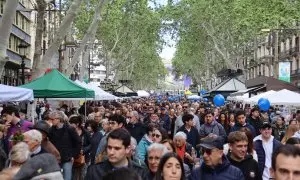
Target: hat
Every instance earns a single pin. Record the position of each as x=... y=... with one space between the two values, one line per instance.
x=278 y=112
x=212 y=142
x=42 y=126
x=162 y=108
x=38 y=165
x=265 y=124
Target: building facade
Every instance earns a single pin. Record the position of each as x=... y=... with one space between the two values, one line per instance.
x=20 y=34
x=263 y=57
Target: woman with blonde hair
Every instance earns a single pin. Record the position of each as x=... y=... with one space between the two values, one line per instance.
x=19 y=154
x=290 y=131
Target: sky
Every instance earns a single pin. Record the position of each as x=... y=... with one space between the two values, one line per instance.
x=168 y=50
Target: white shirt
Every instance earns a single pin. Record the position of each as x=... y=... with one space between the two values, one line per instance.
x=268 y=148
x=297 y=134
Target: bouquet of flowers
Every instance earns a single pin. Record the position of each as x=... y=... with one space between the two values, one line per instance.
x=17 y=137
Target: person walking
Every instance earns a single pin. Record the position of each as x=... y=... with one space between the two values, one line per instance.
x=265 y=144
x=66 y=140
x=239 y=157
x=215 y=165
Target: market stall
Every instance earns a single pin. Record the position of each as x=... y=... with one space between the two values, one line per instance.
x=15 y=94
x=100 y=94
x=254 y=99
x=143 y=93
x=56 y=85
x=284 y=97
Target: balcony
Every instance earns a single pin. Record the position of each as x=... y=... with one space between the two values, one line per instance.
x=289 y=53
x=265 y=59
x=295 y=51
x=295 y=72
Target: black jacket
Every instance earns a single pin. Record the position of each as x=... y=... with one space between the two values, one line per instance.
x=95 y=140
x=137 y=130
x=66 y=141
x=86 y=144
x=192 y=136
x=256 y=123
x=98 y=171
x=248 y=166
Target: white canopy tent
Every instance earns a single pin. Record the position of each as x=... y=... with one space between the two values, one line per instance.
x=284 y=97
x=194 y=97
x=238 y=98
x=15 y=94
x=100 y=94
x=143 y=93
x=254 y=99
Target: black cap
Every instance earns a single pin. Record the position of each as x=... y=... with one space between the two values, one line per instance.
x=162 y=108
x=42 y=126
x=212 y=142
x=265 y=124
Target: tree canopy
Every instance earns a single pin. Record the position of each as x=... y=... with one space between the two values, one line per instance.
x=130 y=40
x=211 y=34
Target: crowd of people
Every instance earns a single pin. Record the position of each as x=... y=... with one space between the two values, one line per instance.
x=145 y=139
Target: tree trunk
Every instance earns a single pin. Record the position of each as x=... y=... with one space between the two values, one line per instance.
x=64 y=28
x=89 y=36
x=6 y=24
x=68 y=54
x=41 y=9
x=83 y=70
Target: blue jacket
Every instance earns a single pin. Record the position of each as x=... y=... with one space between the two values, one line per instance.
x=141 y=149
x=224 y=171
x=166 y=122
x=237 y=127
x=258 y=146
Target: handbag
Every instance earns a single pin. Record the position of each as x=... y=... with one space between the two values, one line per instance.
x=79 y=161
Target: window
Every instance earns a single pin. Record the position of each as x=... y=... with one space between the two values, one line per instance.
x=23 y=23
x=17 y=19
x=10 y=42
x=45 y=25
x=16 y=43
x=1 y=6
x=44 y=46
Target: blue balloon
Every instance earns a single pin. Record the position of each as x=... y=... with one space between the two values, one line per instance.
x=205 y=99
x=203 y=91
x=264 y=104
x=219 y=100
x=261 y=99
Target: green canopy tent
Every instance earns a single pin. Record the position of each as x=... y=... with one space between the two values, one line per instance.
x=55 y=85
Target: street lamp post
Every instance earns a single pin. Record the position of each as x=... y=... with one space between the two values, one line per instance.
x=23 y=47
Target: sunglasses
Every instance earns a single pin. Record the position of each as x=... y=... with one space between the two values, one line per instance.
x=129 y=117
x=156 y=135
x=184 y=107
x=205 y=150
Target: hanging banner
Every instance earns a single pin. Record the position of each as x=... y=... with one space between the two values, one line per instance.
x=285 y=71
